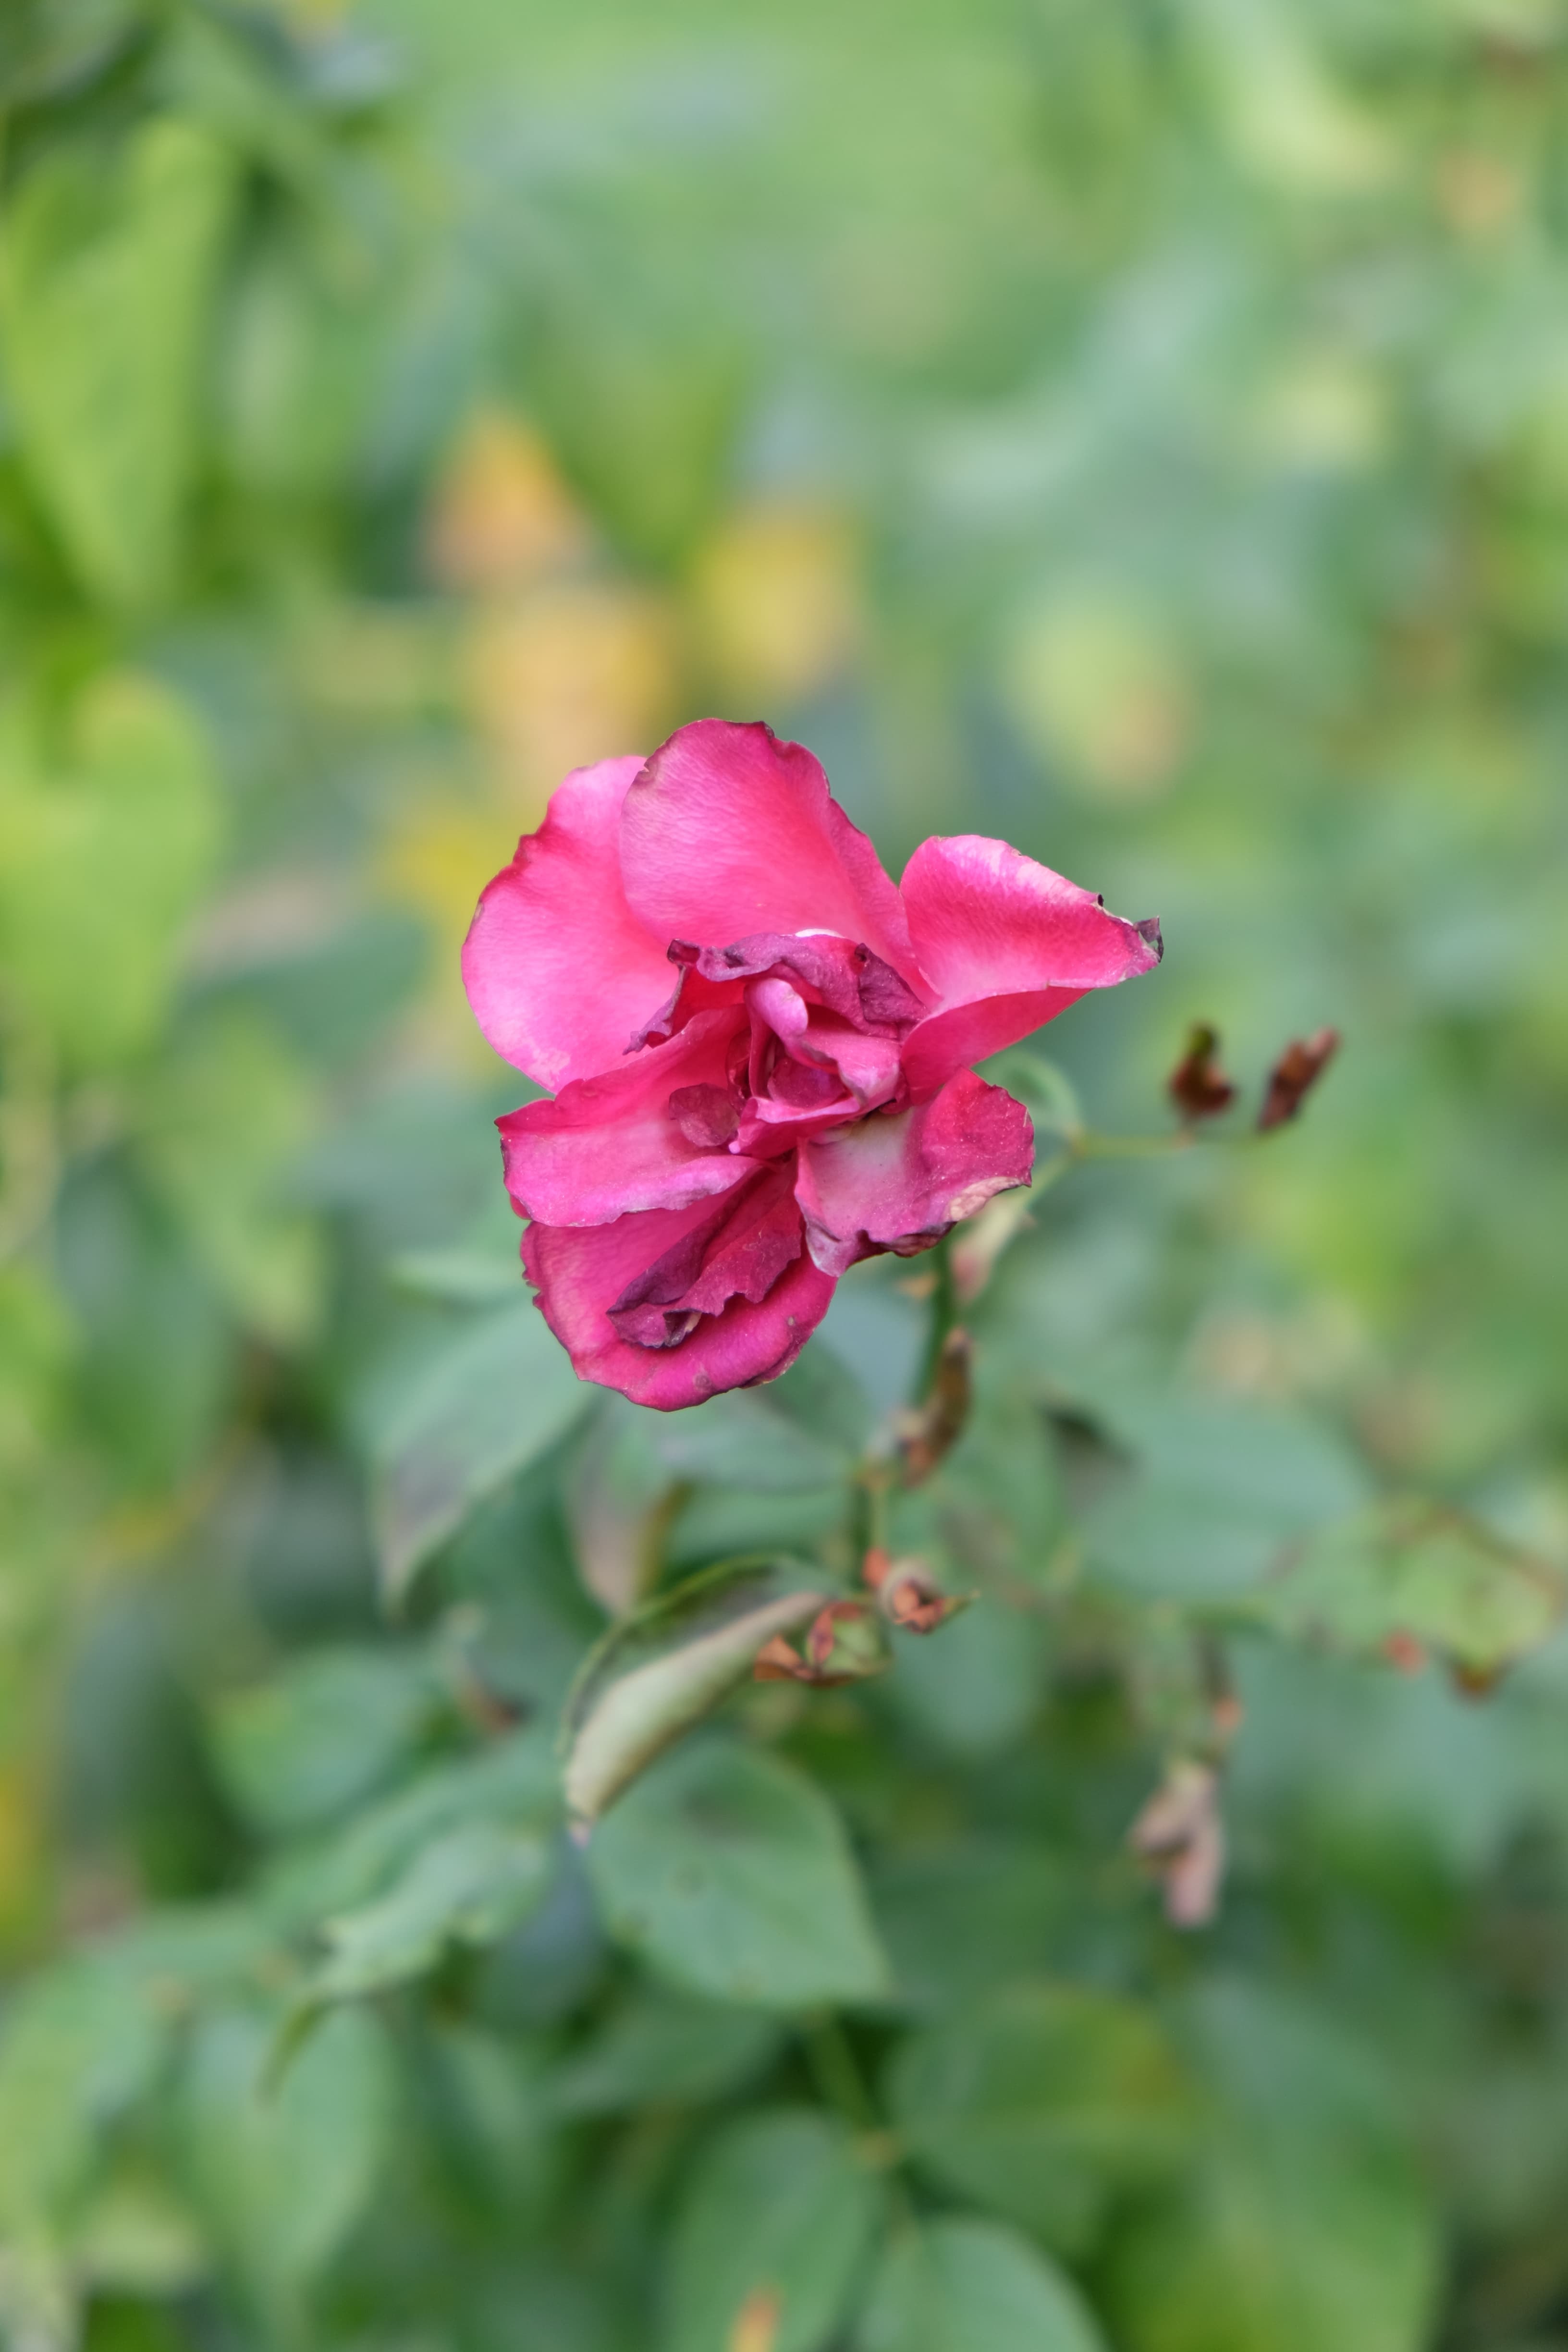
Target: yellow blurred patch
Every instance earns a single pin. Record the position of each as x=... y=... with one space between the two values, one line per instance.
x=567 y=676
x=776 y=599
x=437 y=861
x=501 y=517
x=1096 y=683
x=1323 y=410
x=756 y=2325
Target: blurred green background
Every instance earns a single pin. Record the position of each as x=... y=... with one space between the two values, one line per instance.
x=1135 y=428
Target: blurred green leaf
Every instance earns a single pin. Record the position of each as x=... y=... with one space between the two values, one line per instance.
x=280 y=2171
x=1045 y=2103
x=1408 y=1572
x=224 y=1120
x=511 y=1787
x=777 y=2218
x=106 y=270
x=324 y=1735
x=662 y=1670
x=470 y=1887
x=489 y=1401
x=657 y=2049
x=1303 y=2223
x=973 y=2287
x=1217 y=1490
x=108 y=826
x=730 y=1874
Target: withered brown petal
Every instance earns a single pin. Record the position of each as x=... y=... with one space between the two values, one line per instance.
x=1294 y=1076
x=1197 y=1085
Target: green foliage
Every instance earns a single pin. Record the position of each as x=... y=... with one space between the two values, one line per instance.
x=730 y=1874
x=1140 y=431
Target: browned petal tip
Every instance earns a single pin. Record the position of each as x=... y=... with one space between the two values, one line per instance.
x=1197 y=1085
x=910 y=1597
x=1294 y=1076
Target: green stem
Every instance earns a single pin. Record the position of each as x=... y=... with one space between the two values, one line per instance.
x=943 y=1315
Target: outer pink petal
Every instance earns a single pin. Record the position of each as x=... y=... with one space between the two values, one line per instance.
x=558 y=971
x=989 y=924
x=900 y=1183
x=580 y=1271
x=609 y=1145
x=729 y=831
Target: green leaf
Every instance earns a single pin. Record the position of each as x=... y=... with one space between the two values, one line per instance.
x=659 y=2050
x=1412 y=1571
x=106 y=272
x=1217 y=1491
x=1302 y=2226
x=973 y=2287
x=778 y=2218
x=491 y=1400
x=108 y=827
x=470 y=1886
x=662 y=1671
x=324 y=1735
x=729 y=1872
x=224 y=1119
x=512 y=1786
x=280 y=2171
x=1043 y=2103
x=81 y=2046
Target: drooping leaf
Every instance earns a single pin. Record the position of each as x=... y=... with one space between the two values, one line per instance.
x=659 y=1672
x=730 y=1874
x=1043 y=2103
x=1409 y=1573
x=106 y=270
x=779 y=2217
x=491 y=1400
x=973 y=2287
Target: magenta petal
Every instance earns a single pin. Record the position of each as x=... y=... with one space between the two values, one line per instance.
x=729 y=831
x=580 y=1272
x=626 y=1141
x=987 y=922
x=898 y=1182
x=558 y=971
x=967 y=1033
x=738 y=1251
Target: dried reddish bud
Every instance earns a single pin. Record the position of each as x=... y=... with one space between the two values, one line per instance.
x=1475 y=1682
x=1294 y=1076
x=1197 y=1085
x=844 y=1644
x=1181 y=1837
x=909 y=1596
x=929 y=1431
x=1404 y=1653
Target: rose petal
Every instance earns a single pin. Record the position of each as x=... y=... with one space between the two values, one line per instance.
x=558 y=971
x=609 y=1145
x=992 y=928
x=580 y=1271
x=899 y=1182
x=728 y=832
x=738 y=1251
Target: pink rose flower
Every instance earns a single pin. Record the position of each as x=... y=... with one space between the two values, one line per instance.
x=717 y=1153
